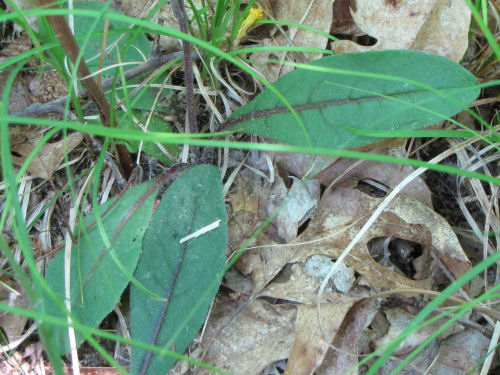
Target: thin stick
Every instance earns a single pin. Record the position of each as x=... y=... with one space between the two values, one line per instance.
x=57 y=105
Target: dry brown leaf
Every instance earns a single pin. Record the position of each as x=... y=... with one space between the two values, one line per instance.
x=259 y=335
x=295 y=285
x=253 y=202
x=50 y=155
x=341 y=215
x=398 y=321
x=434 y=26
x=405 y=218
x=347 y=173
x=315 y=13
x=343 y=212
x=264 y=262
x=13 y=324
x=461 y=353
x=310 y=346
x=296 y=205
x=346 y=358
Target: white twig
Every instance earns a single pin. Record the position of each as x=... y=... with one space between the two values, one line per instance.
x=201 y=231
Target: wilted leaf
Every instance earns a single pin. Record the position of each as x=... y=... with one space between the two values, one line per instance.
x=97 y=281
x=340 y=216
x=328 y=102
x=435 y=26
x=179 y=270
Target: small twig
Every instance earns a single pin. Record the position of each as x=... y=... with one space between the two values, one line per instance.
x=58 y=104
x=199 y=232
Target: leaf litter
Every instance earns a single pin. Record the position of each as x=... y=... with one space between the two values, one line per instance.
x=274 y=287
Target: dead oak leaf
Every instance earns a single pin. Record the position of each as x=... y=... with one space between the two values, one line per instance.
x=315 y=13
x=246 y=343
x=50 y=155
x=434 y=26
x=311 y=345
x=341 y=214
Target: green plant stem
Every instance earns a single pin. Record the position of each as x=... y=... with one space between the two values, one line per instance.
x=180 y=14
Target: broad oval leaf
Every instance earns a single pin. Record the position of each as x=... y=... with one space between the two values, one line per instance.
x=97 y=281
x=186 y=273
x=333 y=98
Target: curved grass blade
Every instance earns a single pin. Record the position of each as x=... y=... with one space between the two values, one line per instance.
x=178 y=267
x=381 y=90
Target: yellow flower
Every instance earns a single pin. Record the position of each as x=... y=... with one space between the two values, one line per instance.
x=253 y=15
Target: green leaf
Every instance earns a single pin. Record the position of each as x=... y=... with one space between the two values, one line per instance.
x=192 y=202
x=129 y=49
x=97 y=281
x=157 y=124
x=383 y=90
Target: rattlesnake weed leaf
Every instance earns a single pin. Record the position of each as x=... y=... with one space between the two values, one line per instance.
x=381 y=90
x=185 y=270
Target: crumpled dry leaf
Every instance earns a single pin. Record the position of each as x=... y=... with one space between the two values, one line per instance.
x=345 y=359
x=13 y=324
x=50 y=155
x=253 y=202
x=265 y=261
x=300 y=202
x=461 y=353
x=313 y=13
x=259 y=335
x=417 y=366
x=434 y=26
x=340 y=216
x=259 y=197
x=347 y=173
x=310 y=346
x=398 y=320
